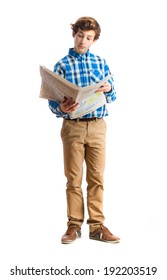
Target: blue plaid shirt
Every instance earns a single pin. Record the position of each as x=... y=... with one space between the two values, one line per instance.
x=83 y=70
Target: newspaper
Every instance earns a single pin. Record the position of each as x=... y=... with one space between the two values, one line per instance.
x=55 y=87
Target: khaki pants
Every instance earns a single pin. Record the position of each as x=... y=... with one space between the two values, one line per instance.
x=84 y=141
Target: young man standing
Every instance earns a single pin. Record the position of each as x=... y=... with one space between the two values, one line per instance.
x=84 y=138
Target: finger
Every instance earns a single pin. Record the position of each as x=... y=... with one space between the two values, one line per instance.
x=72 y=107
x=69 y=102
x=104 y=88
x=100 y=89
x=64 y=99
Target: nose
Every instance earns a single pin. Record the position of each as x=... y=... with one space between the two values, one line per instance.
x=83 y=40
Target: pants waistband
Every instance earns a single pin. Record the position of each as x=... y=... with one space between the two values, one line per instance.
x=85 y=119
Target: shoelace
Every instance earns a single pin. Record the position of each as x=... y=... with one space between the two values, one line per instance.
x=106 y=230
x=71 y=229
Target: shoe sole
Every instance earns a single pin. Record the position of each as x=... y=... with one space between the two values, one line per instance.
x=70 y=241
x=67 y=242
x=107 y=241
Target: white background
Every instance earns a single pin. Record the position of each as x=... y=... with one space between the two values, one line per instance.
x=32 y=199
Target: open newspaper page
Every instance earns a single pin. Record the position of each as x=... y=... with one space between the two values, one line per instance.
x=54 y=87
x=88 y=103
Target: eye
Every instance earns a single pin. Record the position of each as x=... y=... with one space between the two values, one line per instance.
x=89 y=38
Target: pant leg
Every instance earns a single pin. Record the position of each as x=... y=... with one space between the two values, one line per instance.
x=95 y=161
x=73 y=146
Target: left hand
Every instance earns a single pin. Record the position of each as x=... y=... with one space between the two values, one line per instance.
x=106 y=87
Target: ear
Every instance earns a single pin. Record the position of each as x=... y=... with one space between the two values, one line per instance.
x=73 y=34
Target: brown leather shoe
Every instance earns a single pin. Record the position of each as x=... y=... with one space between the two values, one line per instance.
x=73 y=232
x=103 y=234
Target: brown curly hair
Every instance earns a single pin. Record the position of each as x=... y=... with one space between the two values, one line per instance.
x=87 y=23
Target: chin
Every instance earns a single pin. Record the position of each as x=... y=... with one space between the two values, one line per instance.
x=81 y=51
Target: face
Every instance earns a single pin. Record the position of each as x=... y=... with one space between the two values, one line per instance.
x=83 y=40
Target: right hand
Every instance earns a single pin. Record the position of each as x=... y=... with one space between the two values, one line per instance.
x=68 y=105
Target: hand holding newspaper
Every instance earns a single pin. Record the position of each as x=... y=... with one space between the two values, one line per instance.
x=55 y=87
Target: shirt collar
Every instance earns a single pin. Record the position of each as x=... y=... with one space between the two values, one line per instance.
x=78 y=55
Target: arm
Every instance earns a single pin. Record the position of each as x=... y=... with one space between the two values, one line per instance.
x=108 y=87
x=109 y=90
x=55 y=109
x=62 y=109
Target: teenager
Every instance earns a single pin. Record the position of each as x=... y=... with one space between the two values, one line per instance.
x=84 y=138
